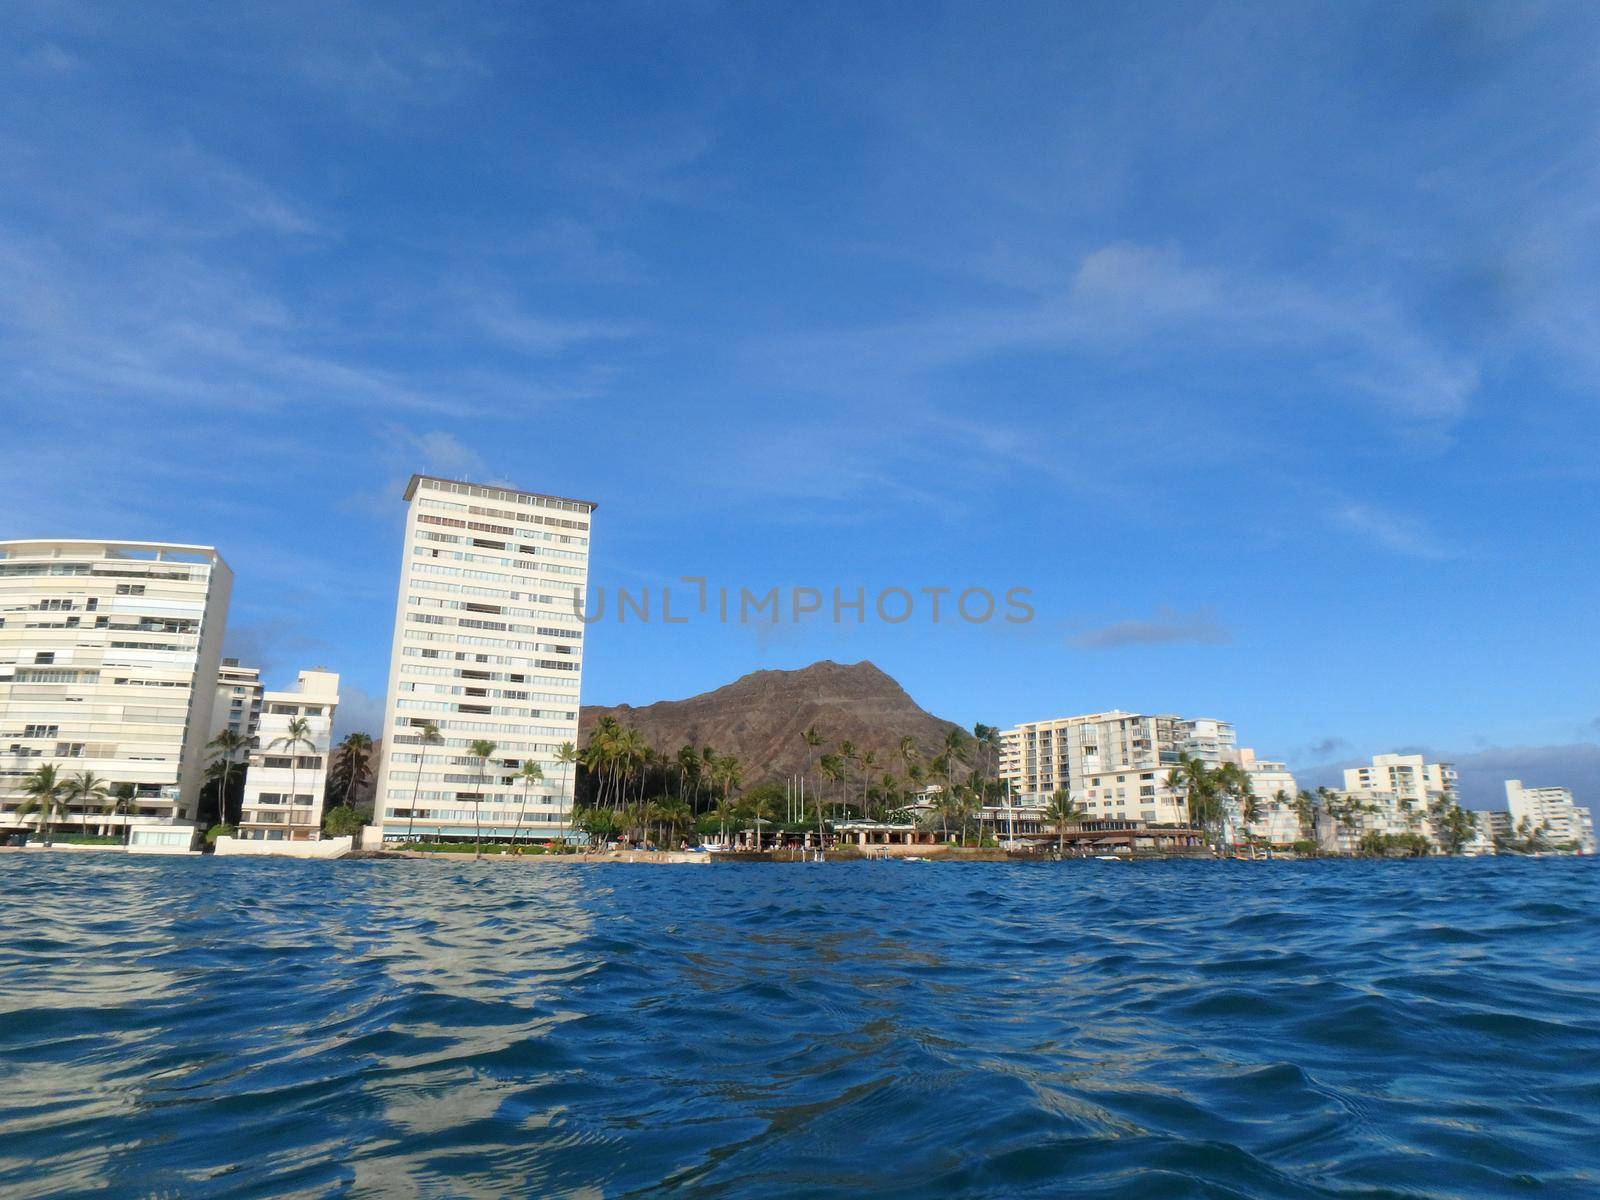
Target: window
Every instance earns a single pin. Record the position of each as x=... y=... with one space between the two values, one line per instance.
x=40 y=731
x=130 y=589
x=44 y=658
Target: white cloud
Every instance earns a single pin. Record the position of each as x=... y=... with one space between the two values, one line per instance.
x=1394 y=532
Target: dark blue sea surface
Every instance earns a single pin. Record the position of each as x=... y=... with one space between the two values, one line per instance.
x=210 y=1027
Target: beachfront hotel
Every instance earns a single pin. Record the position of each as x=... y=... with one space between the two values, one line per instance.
x=1550 y=812
x=1114 y=764
x=488 y=645
x=283 y=790
x=108 y=664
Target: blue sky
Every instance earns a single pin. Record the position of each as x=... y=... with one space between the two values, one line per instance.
x=1261 y=342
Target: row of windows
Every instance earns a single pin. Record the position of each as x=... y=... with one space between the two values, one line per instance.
x=455 y=725
x=505 y=515
x=470 y=589
x=439 y=689
x=519 y=565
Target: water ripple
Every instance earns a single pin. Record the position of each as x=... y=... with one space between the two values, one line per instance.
x=227 y=1028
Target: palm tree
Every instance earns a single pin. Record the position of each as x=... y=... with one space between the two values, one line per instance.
x=955 y=750
x=688 y=768
x=869 y=759
x=1062 y=809
x=760 y=809
x=84 y=788
x=483 y=750
x=41 y=792
x=725 y=812
x=228 y=745
x=832 y=768
x=568 y=756
x=355 y=752
x=672 y=814
x=847 y=759
x=296 y=733
x=987 y=739
x=122 y=803
x=729 y=772
x=530 y=774
x=427 y=735
x=1305 y=808
x=907 y=752
x=812 y=739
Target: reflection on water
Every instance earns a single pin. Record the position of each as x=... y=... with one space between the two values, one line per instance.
x=232 y=1027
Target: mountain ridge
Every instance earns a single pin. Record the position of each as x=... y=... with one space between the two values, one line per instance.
x=760 y=717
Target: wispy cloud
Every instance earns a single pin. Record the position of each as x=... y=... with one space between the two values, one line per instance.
x=1124 y=296
x=1165 y=627
x=1395 y=532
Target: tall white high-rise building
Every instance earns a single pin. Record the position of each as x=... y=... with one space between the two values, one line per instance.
x=283 y=791
x=1551 y=812
x=108 y=664
x=488 y=646
x=1114 y=764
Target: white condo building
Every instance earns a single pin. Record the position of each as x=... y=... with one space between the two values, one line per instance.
x=1406 y=789
x=1277 y=821
x=488 y=645
x=108 y=664
x=1551 y=812
x=237 y=708
x=283 y=791
x=1408 y=776
x=1114 y=764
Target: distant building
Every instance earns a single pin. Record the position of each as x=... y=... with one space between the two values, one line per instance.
x=1550 y=812
x=283 y=790
x=1277 y=821
x=488 y=644
x=108 y=664
x=1496 y=822
x=237 y=707
x=1423 y=791
x=1114 y=764
x=1408 y=776
x=1354 y=813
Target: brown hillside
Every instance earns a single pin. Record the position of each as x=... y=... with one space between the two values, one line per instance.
x=760 y=717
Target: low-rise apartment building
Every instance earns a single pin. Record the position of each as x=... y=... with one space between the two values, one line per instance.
x=288 y=775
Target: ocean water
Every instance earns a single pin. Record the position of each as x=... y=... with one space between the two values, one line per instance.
x=208 y=1027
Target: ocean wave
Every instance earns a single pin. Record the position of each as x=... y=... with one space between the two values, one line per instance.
x=218 y=1028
